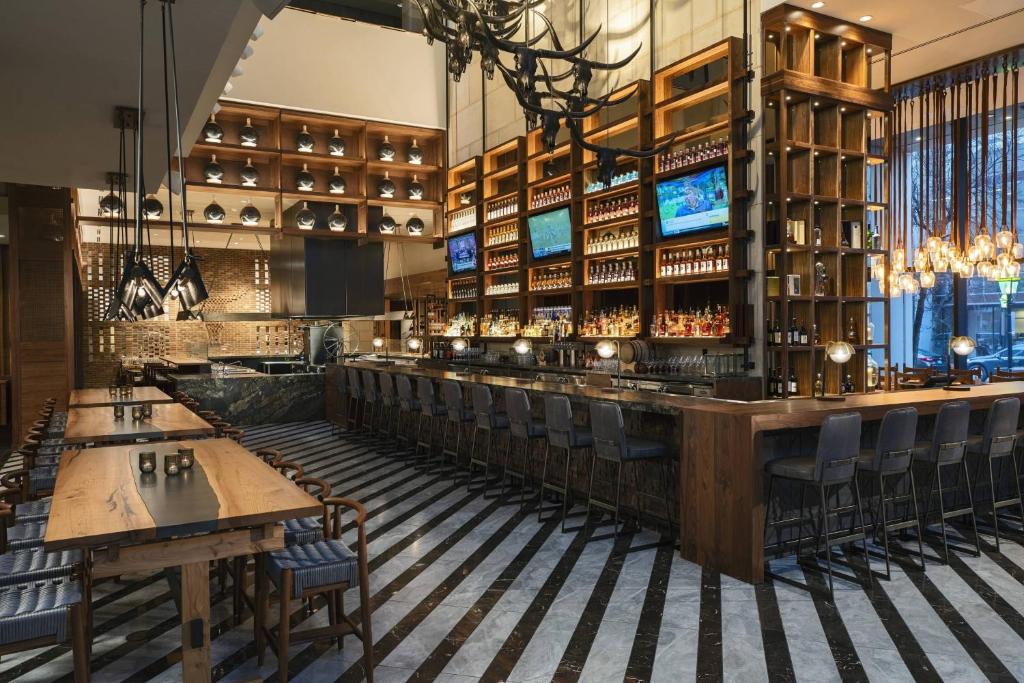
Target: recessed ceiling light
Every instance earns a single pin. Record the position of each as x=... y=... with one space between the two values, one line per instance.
x=817 y=5
x=866 y=18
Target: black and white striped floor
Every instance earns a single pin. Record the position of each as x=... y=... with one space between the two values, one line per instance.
x=467 y=588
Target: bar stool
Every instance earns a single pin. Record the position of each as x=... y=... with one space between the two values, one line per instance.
x=355 y=398
x=891 y=458
x=371 y=401
x=458 y=414
x=833 y=466
x=430 y=410
x=386 y=423
x=523 y=427
x=564 y=434
x=997 y=445
x=408 y=405
x=490 y=421
x=612 y=444
x=341 y=382
x=944 y=452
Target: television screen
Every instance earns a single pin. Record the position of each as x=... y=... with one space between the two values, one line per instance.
x=693 y=202
x=462 y=253
x=550 y=233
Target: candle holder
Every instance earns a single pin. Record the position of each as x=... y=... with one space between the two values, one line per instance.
x=147 y=410
x=118 y=412
x=137 y=413
x=172 y=464
x=186 y=457
x=147 y=461
x=123 y=392
x=112 y=389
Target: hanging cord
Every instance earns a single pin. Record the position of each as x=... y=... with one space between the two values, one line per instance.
x=138 y=139
x=167 y=139
x=185 y=241
x=1016 y=142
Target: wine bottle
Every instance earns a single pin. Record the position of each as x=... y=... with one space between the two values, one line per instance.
x=851 y=333
x=792 y=382
x=804 y=338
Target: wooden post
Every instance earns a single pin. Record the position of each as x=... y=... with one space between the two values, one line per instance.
x=195 y=605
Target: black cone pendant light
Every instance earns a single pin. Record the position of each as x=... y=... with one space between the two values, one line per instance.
x=186 y=281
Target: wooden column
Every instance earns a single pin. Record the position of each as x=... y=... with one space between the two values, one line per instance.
x=41 y=301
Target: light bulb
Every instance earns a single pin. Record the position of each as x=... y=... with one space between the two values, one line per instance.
x=899 y=256
x=378 y=342
x=912 y=286
x=934 y=244
x=982 y=239
x=1003 y=259
x=414 y=343
x=988 y=250
x=1013 y=269
x=928 y=279
x=967 y=269
x=1004 y=238
x=946 y=249
x=940 y=265
x=974 y=253
x=1018 y=250
x=605 y=348
x=985 y=268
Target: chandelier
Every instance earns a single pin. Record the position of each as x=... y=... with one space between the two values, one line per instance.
x=487 y=27
x=983 y=105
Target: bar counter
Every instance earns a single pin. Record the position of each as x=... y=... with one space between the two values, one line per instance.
x=722 y=449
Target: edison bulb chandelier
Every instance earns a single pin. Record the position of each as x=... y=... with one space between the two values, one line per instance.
x=930 y=203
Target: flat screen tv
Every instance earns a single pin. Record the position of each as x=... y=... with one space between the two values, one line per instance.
x=462 y=253
x=550 y=233
x=693 y=202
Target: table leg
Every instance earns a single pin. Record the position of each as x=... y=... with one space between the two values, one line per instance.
x=195 y=621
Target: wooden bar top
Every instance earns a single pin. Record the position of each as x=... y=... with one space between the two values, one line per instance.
x=169 y=420
x=181 y=361
x=97 y=498
x=102 y=397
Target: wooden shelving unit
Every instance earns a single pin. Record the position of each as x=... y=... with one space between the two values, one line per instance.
x=504 y=184
x=698 y=104
x=826 y=148
x=279 y=161
x=679 y=103
x=464 y=198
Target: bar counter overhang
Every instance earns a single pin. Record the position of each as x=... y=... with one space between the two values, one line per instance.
x=721 y=451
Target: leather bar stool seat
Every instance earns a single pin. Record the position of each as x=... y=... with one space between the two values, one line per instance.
x=800 y=468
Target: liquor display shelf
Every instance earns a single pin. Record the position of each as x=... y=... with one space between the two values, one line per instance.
x=826 y=145
x=281 y=150
x=615 y=230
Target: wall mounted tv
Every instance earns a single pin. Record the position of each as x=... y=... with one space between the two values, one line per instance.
x=550 y=233
x=462 y=253
x=693 y=202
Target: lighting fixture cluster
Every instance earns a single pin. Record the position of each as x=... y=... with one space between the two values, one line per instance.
x=989 y=245
x=487 y=27
x=138 y=295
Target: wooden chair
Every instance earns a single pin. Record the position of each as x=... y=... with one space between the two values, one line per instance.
x=326 y=568
x=289 y=470
x=58 y=591
x=968 y=376
x=269 y=455
x=1000 y=375
x=233 y=433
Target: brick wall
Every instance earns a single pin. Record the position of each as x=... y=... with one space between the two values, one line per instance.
x=238 y=282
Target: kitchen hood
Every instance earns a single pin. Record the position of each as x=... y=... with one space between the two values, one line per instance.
x=325 y=278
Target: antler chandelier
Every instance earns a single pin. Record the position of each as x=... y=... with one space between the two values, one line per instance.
x=984 y=105
x=487 y=27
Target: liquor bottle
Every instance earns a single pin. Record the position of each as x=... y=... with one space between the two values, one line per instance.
x=794 y=334
x=804 y=338
x=817 y=385
x=851 y=333
x=792 y=386
x=815 y=335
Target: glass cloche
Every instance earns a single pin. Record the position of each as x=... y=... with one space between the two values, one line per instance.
x=305 y=218
x=152 y=208
x=304 y=142
x=214 y=212
x=250 y=215
x=336 y=185
x=386 y=151
x=336 y=145
x=415 y=154
x=415 y=189
x=415 y=226
x=304 y=180
x=387 y=225
x=386 y=187
x=214 y=172
x=337 y=220
x=212 y=132
x=250 y=174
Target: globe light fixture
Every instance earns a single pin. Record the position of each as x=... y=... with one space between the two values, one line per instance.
x=522 y=346
x=961 y=345
x=608 y=349
x=414 y=344
x=840 y=353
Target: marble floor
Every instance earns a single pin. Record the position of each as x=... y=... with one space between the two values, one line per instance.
x=465 y=588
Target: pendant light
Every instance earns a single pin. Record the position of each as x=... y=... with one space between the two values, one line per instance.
x=186 y=281
x=138 y=290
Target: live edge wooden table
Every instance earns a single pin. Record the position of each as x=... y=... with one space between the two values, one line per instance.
x=227 y=505
x=98 y=425
x=83 y=398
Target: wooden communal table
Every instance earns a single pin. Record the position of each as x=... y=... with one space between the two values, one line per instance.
x=101 y=397
x=721 y=460
x=169 y=421
x=226 y=506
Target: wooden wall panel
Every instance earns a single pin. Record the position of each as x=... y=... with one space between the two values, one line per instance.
x=42 y=301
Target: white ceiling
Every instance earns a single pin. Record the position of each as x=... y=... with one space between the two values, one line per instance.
x=918 y=28
x=65 y=66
